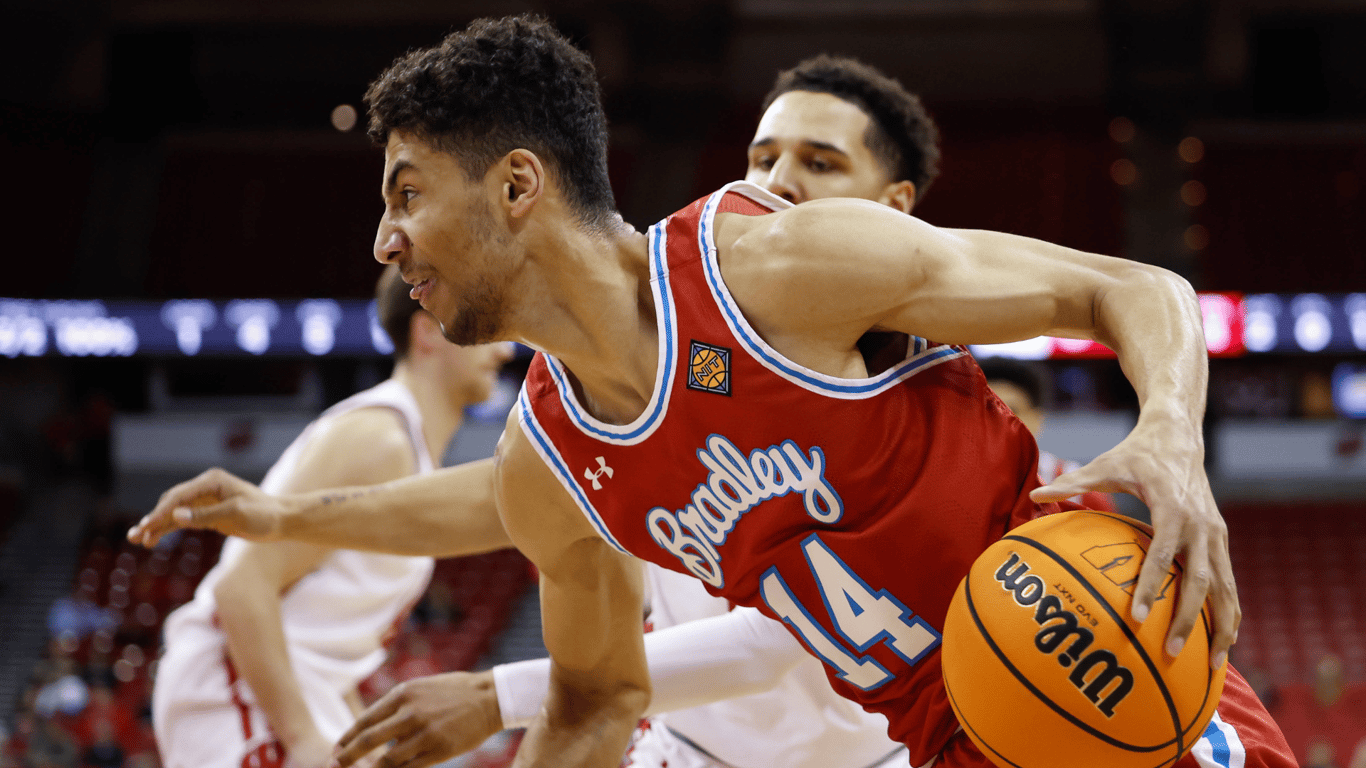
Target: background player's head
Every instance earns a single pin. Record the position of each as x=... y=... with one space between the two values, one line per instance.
x=466 y=374
x=502 y=119
x=1020 y=387
x=836 y=127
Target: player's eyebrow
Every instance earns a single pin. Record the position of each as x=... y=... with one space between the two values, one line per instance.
x=399 y=167
x=813 y=143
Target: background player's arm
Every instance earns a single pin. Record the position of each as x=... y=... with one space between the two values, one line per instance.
x=447 y=513
x=805 y=288
x=699 y=662
x=367 y=445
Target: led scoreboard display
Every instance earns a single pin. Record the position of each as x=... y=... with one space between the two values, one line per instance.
x=1235 y=324
x=253 y=327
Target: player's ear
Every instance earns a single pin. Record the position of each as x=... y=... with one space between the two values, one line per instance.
x=524 y=181
x=899 y=195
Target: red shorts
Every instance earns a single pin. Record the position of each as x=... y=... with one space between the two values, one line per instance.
x=1241 y=735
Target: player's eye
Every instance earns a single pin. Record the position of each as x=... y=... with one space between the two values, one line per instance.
x=763 y=163
x=820 y=165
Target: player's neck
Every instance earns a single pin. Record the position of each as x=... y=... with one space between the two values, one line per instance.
x=441 y=416
x=587 y=301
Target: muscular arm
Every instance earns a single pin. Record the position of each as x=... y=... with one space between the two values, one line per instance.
x=447 y=513
x=591 y=597
x=811 y=295
x=365 y=445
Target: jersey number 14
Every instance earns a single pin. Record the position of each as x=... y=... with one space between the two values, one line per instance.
x=861 y=616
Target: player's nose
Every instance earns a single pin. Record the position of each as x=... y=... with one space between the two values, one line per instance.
x=390 y=243
x=783 y=182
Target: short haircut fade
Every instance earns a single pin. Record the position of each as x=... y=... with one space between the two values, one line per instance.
x=900 y=134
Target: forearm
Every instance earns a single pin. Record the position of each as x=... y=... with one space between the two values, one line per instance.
x=693 y=664
x=250 y=619
x=447 y=513
x=1151 y=319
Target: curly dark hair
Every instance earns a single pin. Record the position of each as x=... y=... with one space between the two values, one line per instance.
x=901 y=133
x=395 y=309
x=498 y=85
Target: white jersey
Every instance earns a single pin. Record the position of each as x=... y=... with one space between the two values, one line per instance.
x=336 y=619
x=799 y=722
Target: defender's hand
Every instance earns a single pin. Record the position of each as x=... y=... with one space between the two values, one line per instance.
x=216 y=500
x=1162 y=463
x=429 y=719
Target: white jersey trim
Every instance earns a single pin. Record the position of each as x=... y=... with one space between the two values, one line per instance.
x=545 y=447
x=920 y=354
x=667 y=322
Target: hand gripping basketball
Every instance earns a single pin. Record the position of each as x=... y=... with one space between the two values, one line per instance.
x=1046 y=668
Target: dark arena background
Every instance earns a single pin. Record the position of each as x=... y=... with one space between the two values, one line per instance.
x=192 y=202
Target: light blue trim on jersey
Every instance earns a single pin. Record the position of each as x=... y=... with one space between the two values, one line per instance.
x=653 y=415
x=1219 y=746
x=920 y=355
x=551 y=456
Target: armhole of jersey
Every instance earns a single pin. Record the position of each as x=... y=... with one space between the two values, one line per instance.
x=545 y=448
x=921 y=355
x=666 y=317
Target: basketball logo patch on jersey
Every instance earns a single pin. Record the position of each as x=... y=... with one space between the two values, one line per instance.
x=709 y=368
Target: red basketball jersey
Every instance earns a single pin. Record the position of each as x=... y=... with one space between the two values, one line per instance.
x=849 y=509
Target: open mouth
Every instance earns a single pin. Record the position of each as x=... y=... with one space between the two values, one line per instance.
x=419 y=290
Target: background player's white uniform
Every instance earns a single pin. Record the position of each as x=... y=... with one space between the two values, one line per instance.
x=336 y=620
x=800 y=722
x=794 y=721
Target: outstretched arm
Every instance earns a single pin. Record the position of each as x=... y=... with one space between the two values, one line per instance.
x=960 y=286
x=447 y=513
x=441 y=716
x=701 y=662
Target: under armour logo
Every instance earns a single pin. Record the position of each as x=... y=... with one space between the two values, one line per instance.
x=603 y=469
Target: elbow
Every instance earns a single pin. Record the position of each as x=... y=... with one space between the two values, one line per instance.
x=1140 y=276
x=235 y=598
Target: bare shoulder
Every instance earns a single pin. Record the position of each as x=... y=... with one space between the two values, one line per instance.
x=538 y=514
x=831 y=265
x=361 y=447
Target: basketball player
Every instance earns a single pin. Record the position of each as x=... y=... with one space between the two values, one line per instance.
x=260 y=668
x=1021 y=389
x=682 y=396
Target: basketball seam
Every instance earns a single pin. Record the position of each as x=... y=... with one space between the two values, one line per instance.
x=1038 y=694
x=1204 y=615
x=981 y=741
x=1124 y=627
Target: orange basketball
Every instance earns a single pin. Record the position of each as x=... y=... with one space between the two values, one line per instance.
x=1044 y=666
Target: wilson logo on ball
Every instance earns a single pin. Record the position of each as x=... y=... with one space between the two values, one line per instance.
x=1096 y=670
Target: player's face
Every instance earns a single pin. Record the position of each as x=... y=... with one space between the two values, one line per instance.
x=472 y=372
x=439 y=227
x=810 y=146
